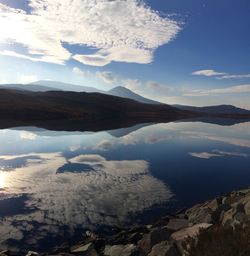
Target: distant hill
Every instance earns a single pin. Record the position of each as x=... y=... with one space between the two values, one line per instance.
x=56 y=105
x=123 y=92
x=220 y=109
x=65 y=86
x=81 y=111
x=46 y=85
x=27 y=87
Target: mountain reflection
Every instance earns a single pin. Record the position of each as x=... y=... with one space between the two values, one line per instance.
x=55 y=185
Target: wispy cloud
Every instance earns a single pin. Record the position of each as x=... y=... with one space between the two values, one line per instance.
x=122 y=30
x=228 y=76
x=244 y=88
x=208 y=72
x=219 y=75
x=217 y=153
x=132 y=84
x=80 y=72
x=106 y=76
x=228 y=140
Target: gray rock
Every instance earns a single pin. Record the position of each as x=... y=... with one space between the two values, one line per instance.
x=129 y=237
x=213 y=205
x=181 y=236
x=163 y=249
x=121 y=250
x=247 y=207
x=176 y=224
x=87 y=249
x=227 y=217
x=200 y=215
x=31 y=253
x=218 y=214
x=156 y=236
x=4 y=253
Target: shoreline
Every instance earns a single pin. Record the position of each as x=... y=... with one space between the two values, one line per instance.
x=169 y=236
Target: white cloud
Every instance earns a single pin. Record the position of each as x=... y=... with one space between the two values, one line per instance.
x=106 y=76
x=203 y=155
x=228 y=140
x=208 y=72
x=244 y=88
x=27 y=135
x=219 y=75
x=104 y=145
x=121 y=30
x=80 y=72
x=158 y=88
x=242 y=76
x=217 y=153
x=26 y=79
x=132 y=84
x=111 y=194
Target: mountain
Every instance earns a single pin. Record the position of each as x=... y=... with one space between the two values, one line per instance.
x=220 y=109
x=46 y=85
x=126 y=93
x=65 y=86
x=57 y=105
x=27 y=87
x=81 y=111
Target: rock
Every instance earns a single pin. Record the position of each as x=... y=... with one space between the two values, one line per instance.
x=176 y=224
x=91 y=235
x=4 y=253
x=200 y=215
x=131 y=236
x=181 y=236
x=121 y=250
x=227 y=217
x=233 y=199
x=240 y=218
x=218 y=214
x=30 y=253
x=213 y=205
x=156 y=236
x=161 y=222
x=143 y=229
x=87 y=249
x=247 y=207
x=163 y=249
x=126 y=238
x=189 y=232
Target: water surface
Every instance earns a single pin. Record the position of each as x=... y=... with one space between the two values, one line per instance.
x=56 y=185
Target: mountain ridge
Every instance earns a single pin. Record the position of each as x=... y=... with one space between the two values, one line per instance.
x=119 y=91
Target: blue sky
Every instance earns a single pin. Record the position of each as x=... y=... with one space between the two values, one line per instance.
x=193 y=52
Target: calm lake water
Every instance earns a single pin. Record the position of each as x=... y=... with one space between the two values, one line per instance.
x=56 y=185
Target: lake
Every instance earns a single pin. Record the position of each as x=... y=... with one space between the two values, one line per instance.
x=56 y=185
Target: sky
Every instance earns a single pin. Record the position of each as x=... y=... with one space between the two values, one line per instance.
x=194 y=52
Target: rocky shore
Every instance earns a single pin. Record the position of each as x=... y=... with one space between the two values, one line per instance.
x=171 y=235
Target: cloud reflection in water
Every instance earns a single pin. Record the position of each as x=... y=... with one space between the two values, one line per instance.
x=108 y=195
